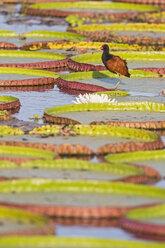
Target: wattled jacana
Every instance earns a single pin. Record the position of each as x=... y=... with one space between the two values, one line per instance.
x=114 y=63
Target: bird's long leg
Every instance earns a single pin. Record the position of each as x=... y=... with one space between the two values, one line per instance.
x=117 y=83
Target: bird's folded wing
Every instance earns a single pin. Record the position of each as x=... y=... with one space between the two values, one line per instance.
x=118 y=65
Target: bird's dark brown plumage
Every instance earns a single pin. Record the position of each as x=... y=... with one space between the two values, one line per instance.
x=114 y=63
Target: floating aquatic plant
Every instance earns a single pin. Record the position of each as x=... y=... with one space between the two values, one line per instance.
x=25 y=152
x=73 y=242
x=94 y=5
x=7 y=130
x=146 y=222
x=73 y=164
x=54 y=35
x=8 y=34
x=126 y=106
x=129 y=55
x=33 y=224
x=30 y=72
x=123 y=26
x=100 y=130
x=36 y=45
x=30 y=54
x=137 y=156
x=48 y=185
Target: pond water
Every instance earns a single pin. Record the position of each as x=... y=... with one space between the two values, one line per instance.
x=35 y=101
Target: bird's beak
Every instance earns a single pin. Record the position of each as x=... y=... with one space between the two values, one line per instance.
x=101 y=48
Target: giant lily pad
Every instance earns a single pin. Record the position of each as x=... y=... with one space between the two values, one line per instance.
x=27 y=72
x=9 y=102
x=7 y=46
x=123 y=26
x=78 y=198
x=109 y=139
x=69 y=242
x=129 y=55
x=19 y=222
x=142 y=83
x=19 y=154
x=89 y=112
x=74 y=169
x=8 y=34
x=94 y=5
x=151 y=158
x=28 y=59
x=146 y=222
x=37 y=45
x=25 y=77
x=53 y=35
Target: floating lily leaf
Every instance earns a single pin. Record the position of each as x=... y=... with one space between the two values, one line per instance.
x=54 y=35
x=8 y=34
x=137 y=156
x=55 y=169
x=94 y=5
x=30 y=72
x=60 y=242
x=131 y=55
x=123 y=26
x=146 y=222
x=74 y=196
x=19 y=222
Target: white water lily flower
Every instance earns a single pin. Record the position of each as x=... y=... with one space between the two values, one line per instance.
x=93 y=98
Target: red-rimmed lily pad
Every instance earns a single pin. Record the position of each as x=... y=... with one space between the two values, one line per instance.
x=82 y=8
x=155 y=159
x=74 y=242
x=108 y=36
x=78 y=169
x=102 y=139
x=86 y=113
x=78 y=198
x=146 y=222
x=9 y=102
x=21 y=154
x=64 y=149
x=157 y=2
x=8 y=46
x=19 y=222
x=141 y=83
x=25 y=77
x=33 y=60
x=77 y=46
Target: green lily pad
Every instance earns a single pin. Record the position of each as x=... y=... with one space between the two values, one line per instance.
x=78 y=193
x=146 y=222
x=68 y=168
x=154 y=159
x=160 y=27
x=69 y=242
x=25 y=152
x=14 y=221
x=54 y=35
x=92 y=58
x=25 y=73
x=86 y=113
x=95 y=5
x=8 y=34
x=27 y=56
